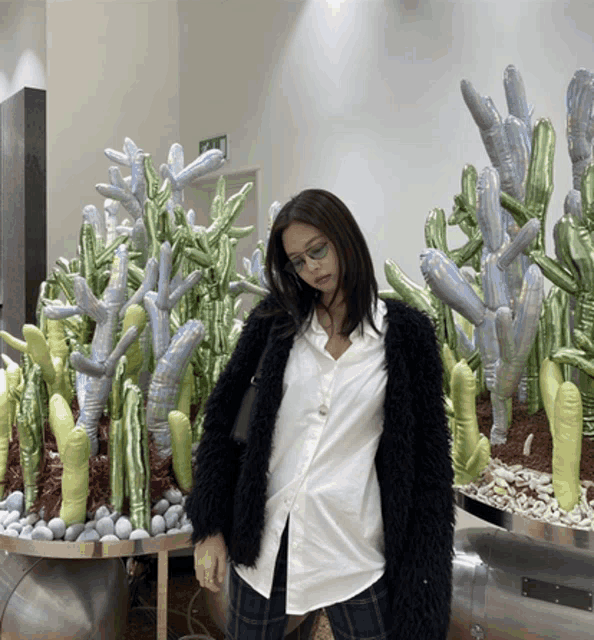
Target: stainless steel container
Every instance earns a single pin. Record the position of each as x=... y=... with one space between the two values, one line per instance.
x=508 y=586
x=55 y=598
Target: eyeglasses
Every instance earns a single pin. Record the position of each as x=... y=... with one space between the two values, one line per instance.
x=318 y=252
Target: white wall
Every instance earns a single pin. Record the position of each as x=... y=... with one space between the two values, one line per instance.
x=359 y=97
x=113 y=72
x=363 y=98
x=22 y=46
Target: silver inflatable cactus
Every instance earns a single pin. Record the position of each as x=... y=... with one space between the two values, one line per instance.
x=504 y=338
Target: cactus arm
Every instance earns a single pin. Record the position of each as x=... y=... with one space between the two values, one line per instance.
x=119 y=190
x=554 y=272
x=515 y=95
x=435 y=230
x=471 y=450
x=550 y=379
x=575 y=358
x=522 y=240
x=137 y=456
x=409 y=291
x=539 y=179
x=30 y=430
x=135 y=316
x=165 y=382
x=125 y=158
x=127 y=339
x=189 y=282
x=181 y=446
x=587 y=199
x=38 y=350
x=241 y=232
x=75 y=477
x=186 y=391
x=567 y=445
x=492 y=132
x=149 y=281
x=229 y=212
x=61 y=420
x=580 y=99
x=203 y=164
x=447 y=282
x=117 y=438
x=5 y=428
x=85 y=366
x=14 y=379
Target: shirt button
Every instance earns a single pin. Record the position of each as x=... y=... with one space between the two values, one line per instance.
x=323 y=410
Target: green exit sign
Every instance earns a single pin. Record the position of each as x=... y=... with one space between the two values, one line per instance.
x=218 y=142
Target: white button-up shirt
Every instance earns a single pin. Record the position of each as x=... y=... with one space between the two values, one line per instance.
x=322 y=471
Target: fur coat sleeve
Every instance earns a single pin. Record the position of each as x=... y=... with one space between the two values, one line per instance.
x=422 y=593
x=210 y=503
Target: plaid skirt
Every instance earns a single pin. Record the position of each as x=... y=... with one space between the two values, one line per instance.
x=253 y=617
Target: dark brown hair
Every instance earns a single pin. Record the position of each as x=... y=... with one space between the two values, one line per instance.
x=326 y=212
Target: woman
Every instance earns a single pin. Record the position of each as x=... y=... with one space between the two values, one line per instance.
x=341 y=498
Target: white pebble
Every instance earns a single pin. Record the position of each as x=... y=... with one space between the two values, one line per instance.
x=158 y=525
x=42 y=533
x=171 y=519
x=187 y=528
x=508 y=476
x=58 y=527
x=16 y=502
x=3 y=515
x=11 y=533
x=73 y=531
x=109 y=537
x=17 y=526
x=114 y=516
x=88 y=535
x=138 y=534
x=13 y=516
x=90 y=524
x=105 y=526
x=41 y=523
x=123 y=528
x=25 y=535
x=173 y=531
x=27 y=528
x=102 y=512
x=161 y=506
x=173 y=495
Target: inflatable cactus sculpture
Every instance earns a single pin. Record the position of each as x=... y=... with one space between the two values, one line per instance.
x=471 y=450
x=504 y=341
x=136 y=328
x=563 y=406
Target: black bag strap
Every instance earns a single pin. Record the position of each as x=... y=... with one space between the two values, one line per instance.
x=256 y=376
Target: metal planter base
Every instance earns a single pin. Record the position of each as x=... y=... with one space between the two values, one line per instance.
x=535 y=580
x=54 y=598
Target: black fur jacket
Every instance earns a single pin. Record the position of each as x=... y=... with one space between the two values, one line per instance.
x=412 y=462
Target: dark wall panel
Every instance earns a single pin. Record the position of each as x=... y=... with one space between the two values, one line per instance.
x=23 y=231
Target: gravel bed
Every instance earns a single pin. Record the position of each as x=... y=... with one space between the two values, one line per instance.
x=104 y=525
x=528 y=493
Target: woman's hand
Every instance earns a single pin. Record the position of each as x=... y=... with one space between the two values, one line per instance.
x=210 y=562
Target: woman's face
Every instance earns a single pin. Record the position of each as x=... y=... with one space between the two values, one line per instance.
x=313 y=257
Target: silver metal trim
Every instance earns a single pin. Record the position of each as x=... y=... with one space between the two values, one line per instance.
x=59 y=549
x=556 y=534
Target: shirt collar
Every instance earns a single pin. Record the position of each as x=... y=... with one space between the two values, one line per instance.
x=378 y=317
